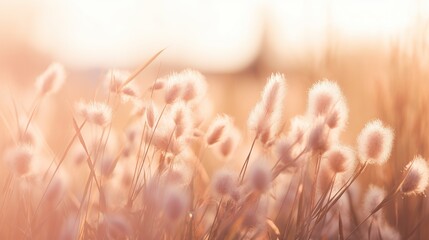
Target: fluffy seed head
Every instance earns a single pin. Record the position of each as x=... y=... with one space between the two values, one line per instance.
x=217 y=129
x=373 y=197
x=229 y=144
x=267 y=114
x=150 y=115
x=260 y=175
x=326 y=99
x=173 y=88
x=340 y=159
x=19 y=159
x=223 y=182
x=115 y=80
x=318 y=137
x=375 y=143
x=182 y=118
x=175 y=203
x=96 y=112
x=195 y=85
x=417 y=176
x=298 y=128
x=51 y=80
x=284 y=148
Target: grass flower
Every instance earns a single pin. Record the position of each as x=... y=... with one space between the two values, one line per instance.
x=416 y=178
x=375 y=143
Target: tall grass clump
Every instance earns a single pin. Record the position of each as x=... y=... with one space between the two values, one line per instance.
x=149 y=178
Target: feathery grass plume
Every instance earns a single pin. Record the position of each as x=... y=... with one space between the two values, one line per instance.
x=51 y=80
x=319 y=138
x=176 y=203
x=375 y=143
x=266 y=115
x=158 y=84
x=326 y=99
x=417 y=177
x=151 y=111
x=95 y=112
x=217 y=129
x=115 y=80
x=284 y=149
x=340 y=159
x=298 y=128
x=129 y=92
x=20 y=159
x=373 y=197
x=260 y=175
x=182 y=118
x=195 y=85
x=173 y=88
x=230 y=142
x=223 y=182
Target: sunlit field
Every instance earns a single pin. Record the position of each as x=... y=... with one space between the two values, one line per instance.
x=214 y=120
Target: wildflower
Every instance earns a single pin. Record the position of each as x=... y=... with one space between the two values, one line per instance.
x=417 y=177
x=375 y=143
x=51 y=80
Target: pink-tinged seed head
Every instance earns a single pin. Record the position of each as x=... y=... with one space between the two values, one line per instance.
x=217 y=129
x=223 y=182
x=115 y=80
x=176 y=203
x=260 y=175
x=150 y=115
x=298 y=127
x=173 y=89
x=417 y=177
x=326 y=99
x=340 y=159
x=51 y=80
x=20 y=159
x=195 y=85
x=229 y=144
x=182 y=118
x=268 y=112
x=375 y=143
x=318 y=137
x=284 y=148
x=95 y=112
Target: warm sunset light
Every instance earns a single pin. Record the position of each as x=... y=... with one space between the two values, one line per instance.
x=216 y=119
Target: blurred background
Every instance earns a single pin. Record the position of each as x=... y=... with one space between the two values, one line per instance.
x=369 y=47
x=378 y=52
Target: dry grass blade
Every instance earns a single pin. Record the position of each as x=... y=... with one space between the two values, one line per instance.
x=143 y=67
